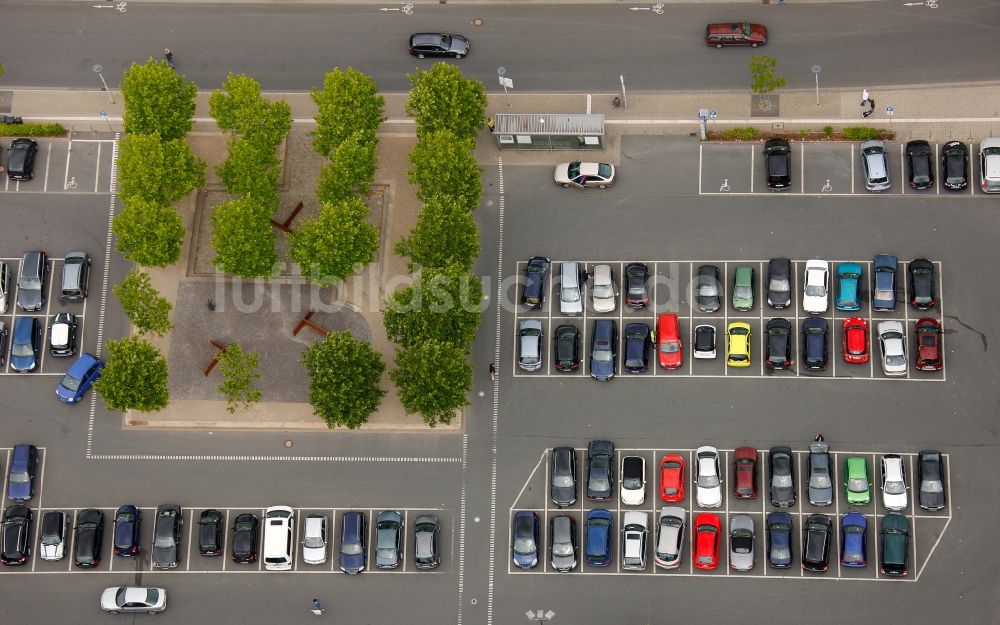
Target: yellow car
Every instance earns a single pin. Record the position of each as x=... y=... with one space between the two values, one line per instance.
x=738 y=344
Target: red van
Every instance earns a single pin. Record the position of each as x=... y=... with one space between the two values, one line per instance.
x=736 y=34
x=668 y=337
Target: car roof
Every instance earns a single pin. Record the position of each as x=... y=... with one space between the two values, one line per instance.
x=421 y=38
x=990 y=143
x=531 y=324
x=637 y=518
x=893 y=467
x=602 y=273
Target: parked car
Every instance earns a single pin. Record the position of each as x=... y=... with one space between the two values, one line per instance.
x=636 y=293
x=707 y=532
x=314 y=539
x=779 y=283
x=930 y=476
x=919 y=165
x=210 y=540
x=781 y=466
x=817 y=536
x=52 y=535
x=857 y=482
x=570 y=289
x=854 y=540
x=21 y=159
x=894 y=482
x=388 y=539
x=989 y=165
x=815 y=353
x=820 y=480
x=128 y=529
x=745 y=473
x=672 y=478
x=779 y=344
x=894 y=548
x=779 y=540
x=585 y=175
x=893 y=347
x=927 y=332
x=21 y=477
x=62 y=335
x=277 y=546
x=855 y=333
x=873 y=160
x=4 y=287
x=424 y=45
x=708 y=477
x=353 y=542
x=245 y=530
x=567 y=348
x=815 y=289
x=738 y=344
x=167 y=536
x=75 y=277
x=955 y=165
x=604 y=291
x=668 y=335
x=707 y=292
x=604 y=350
x=669 y=537
x=529 y=344
x=562 y=489
x=426 y=552
x=704 y=341
x=16 y=535
x=744 y=285
x=89 y=536
x=600 y=470
x=4 y=337
x=80 y=376
x=848 y=287
x=922 y=284
x=884 y=282
x=778 y=164
x=636 y=347
x=736 y=34
x=600 y=525
x=563 y=548
x=133 y=599
x=533 y=290
x=24 y=344
x=633 y=485
x=742 y=543
x=635 y=530
x=32 y=285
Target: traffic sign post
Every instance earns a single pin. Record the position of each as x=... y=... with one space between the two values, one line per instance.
x=889 y=111
x=816 y=69
x=505 y=83
x=104 y=114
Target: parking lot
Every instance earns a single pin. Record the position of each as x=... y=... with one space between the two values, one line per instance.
x=926 y=528
x=78 y=165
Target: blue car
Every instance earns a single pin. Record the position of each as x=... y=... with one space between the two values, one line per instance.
x=854 y=540
x=128 y=526
x=599 y=532
x=848 y=286
x=353 y=534
x=884 y=282
x=779 y=540
x=604 y=350
x=524 y=539
x=21 y=479
x=81 y=376
x=24 y=344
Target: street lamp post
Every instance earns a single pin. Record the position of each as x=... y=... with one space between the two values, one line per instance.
x=816 y=70
x=97 y=70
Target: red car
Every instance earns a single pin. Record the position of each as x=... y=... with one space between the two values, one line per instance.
x=736 y=34
x=745 y=467
x=672 y=478
x=668 y=336
x=928 y=333
x=856 y=340
x=707 y=529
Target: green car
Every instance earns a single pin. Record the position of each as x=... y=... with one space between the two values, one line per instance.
x=856 y=482
x=895 y=545
x=743 y=288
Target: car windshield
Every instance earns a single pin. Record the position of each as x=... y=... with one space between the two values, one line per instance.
x=779 y=285
x=601 y=354
x=708 y=288
x=446 y=40
x=895 y=488
x=29 y=284
x=670 y=347
x=524 y=546
x=603 y=291
x=313 y=542
x=21 y=349
x=573 y=171
x=563 y=550
x=932 y=486
x=857 y=485
x=820 y=481
x=895 y=360
x=708 y=481
x=604 y=170
x=19 y=477
x=780 y=553
x=743 y=292
x=350 y=549
x=164 y=541
x=571 y=294
x=815 y=287
x=562 y=481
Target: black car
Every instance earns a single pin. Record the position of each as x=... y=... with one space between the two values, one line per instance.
x=567 y=348
x=919 y=165
x=779 y=539
x=779 y=343
x=922 y=284
x=167 y=536
x=816 y=538
x=21 y=159
x=707 y=292
x=636 y=347
x=600 y=470
x=636 y=294
x=779 y=284
x=423 y=45
x=16 y=535
x=210 y=533
x=778 y=163
x=781 y=466
x=533 y=293
x=245 y=529
x=89 y=536
x=32 y=290
x=955 y=165
x=704 y=341
x=128 y=528
x=604 y=350
x=563 y=486
x=815 y=351
x=930 y=476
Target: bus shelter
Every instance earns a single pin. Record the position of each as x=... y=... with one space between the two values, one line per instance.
x=548 y=131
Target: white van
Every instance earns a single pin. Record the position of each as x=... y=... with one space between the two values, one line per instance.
x=278 y=545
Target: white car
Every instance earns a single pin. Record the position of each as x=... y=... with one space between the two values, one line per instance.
x=669 y=537
x=815 y=292
x=708 y=477
x=633 y=484
x=314 y=539
x=604 y=292
x=52 y=535
x=989 y=165
x=133 y=599
x=635 y=529
x=893 y=482
x=577 y=174
x=893 y=345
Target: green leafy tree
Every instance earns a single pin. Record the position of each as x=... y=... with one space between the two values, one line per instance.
x=135 y=377
x=158 y=171
x=148 y=234
x=239 y=377
x=433 y=380
x=443 y=99
x=1 y=70
x=351 y=168
x=344 y=376
x=142 y=303
x=445 y=235
x=239 y=108
x=157 y=101
x=334 y=244
x=441 y=305
x=762 y=76
x=349 y=102
x=444 y=165
x=252 y=171
x=243 y=239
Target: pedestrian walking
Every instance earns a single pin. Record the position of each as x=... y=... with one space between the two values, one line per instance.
x=169 y=56
x=865 y=96
x=318 y=609
x=871 y=102
x=493 y=372
x=491 y=124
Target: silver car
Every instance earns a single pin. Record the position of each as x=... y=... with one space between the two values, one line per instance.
x=314 y=539
x=529 y=344
x=604 y=292
x=876 y=167
x=742 y=543
x=635 y=529
x=388 y=539
x=570 y=293
x=425 y=542
x=708 y=477
x=820 y=483
x=563 y=546
x=893 y=345
x=133 y=599
x=670 y=537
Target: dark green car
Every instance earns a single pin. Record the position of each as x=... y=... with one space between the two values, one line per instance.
x=894 y=545
x=856 y=482
x=743 y=288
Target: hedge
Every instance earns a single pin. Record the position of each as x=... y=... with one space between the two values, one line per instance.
x=31 y=130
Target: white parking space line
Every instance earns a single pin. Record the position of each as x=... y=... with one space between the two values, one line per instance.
x=691 y=515
x=192 y=536
x=729 y=520
x=902 y=170
x=834 y=476
x=876 y=498
x=48 y=159
x=70 y=543
x=853 y=173
x=226 y=551
x=937 y=166
x=763 y=508
x=907 y=348
x=725 y=316
x=761 y=297
x=545 y=519
x=752 y=154
x=41 y=487
x=796 y=484
x=69 y=155
x=802 y=173
x=915 y=493
x=331 y=539
x=701 y=157
x=97 y=170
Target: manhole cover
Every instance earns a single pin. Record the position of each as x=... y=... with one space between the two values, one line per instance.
x=288 y=444
x=477 y=22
